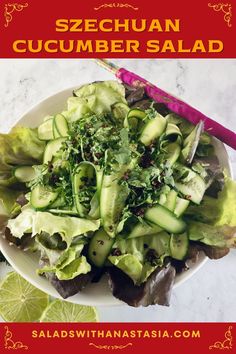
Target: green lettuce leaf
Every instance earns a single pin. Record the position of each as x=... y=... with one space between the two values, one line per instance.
x=7 y=200
x=218 y=236
x=220 y=211
x=76 y=108
x=76 y=267
x=23 y=223
x=141 y=256
x=140 y=245
x=129 y=264
x=97 y=98
x=37 y=222
x=228 y=206
x=69 y=264
x=20 y=147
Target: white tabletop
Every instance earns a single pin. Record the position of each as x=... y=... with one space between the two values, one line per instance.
x=208 y=85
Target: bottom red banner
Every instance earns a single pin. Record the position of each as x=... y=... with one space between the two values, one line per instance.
x=137 y=338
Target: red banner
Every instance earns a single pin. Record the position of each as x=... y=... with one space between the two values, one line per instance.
x=132 y=29
x=117 y=337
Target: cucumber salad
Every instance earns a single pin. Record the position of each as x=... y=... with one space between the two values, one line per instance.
x=116 y=185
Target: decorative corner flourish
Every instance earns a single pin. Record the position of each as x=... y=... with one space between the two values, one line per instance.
x=115 y=5
x=10 y=8
x=10 y=344
x=226 y=9
x=227 y=343
x=111 y=347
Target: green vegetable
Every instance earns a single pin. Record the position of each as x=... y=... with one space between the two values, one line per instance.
x=172 y=153
x=179 y=246
x=25 y=173
x=164 y=218
x=153 y=129
x=37 y=222
x=140 y=256
x=83 y=186
x=119 y=111
x=60 y=126
x=171 y=200
x=52 y=149
x=21 y=147
x=100 y=96
x=129 y=264
x=112 y=200
x=69 y=265
x=42 y=197
x=7 y=200
x=219 y=236
x=45 y=130
x=190 y=184
x=143 y=229
x=134 y=119
x=99 y=247
x=191 y=143
x=181 y=206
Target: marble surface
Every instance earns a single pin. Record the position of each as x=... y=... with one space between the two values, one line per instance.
x=208 y=85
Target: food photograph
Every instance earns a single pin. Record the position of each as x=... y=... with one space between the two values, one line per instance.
x=117 y=191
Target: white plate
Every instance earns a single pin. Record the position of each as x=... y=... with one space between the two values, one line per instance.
x=26 y=263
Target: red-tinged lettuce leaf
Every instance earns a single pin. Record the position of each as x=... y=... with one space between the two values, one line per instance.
x=195 y=248
x=215 y=177
x=67 y=288
x=156 y=290
x=219 y=236
x=135 y=96
x=25 y=243
x=161 y=108
x=213 y=252
x=143 y=104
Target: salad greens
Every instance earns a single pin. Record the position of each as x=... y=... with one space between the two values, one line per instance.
x=119 y=184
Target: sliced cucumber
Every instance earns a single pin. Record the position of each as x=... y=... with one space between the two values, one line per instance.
x=52 y=148
x=173 y=133
x=60 y=126
x=134 y=118
x=144 y=230
x=179 y=246
x=164 y=218
x=45 y=130
x=56 y=133
x=119 y=110
x=42 y=197
x=181 y=206
x=191 y=143
x=84 y=175
x=47 y=118
x=112 y=201
x=173 y=151
x=171 y=200
x=63 y=212
x=99 y=174
x=99 y=248
x=25 y=173
x=153 y=129
x=138 y=113
x=193 y=190
x=59 y=202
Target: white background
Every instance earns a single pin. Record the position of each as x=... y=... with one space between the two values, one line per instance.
x=208 y=85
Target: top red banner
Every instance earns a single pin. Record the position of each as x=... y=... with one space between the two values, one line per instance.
x=129 y=29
